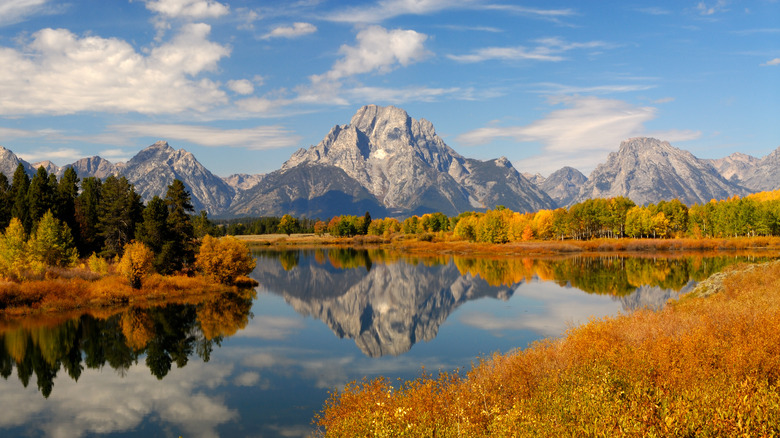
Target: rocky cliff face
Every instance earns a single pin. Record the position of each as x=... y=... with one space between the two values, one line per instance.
x=408 y=168
x=154 y=168
x=765 y=175
x=94 y=166
x=9 y=162
x=735 y=167
x=648 y=170
x=564 y=185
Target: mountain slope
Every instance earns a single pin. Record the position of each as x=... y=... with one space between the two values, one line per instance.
x=308 y=189
x=409 y=169
x=648 y=170
x=154 y=168
x=9 y=162
x=765 y=175
x=736 y=166
x=564 y=185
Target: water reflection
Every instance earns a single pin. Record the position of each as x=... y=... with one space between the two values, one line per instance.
x=161 y=336
x=387 y=301
x=212 y=369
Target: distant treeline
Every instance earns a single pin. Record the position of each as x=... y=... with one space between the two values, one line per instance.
x=263 y=225
x=619 y=217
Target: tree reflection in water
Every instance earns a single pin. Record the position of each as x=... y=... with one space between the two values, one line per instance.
x=164 y=335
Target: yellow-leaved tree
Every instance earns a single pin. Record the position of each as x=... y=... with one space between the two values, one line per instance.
x=136 y=263
x=224 y=259
x=15 y=260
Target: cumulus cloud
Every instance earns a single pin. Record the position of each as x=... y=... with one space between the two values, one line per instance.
x=380 y=50
x=547 y=49
x=241 y=86
x=91 y=406
x=257 y=138
x=583 y=132
x=61 y=73
x=188 y=9
x=296 y=30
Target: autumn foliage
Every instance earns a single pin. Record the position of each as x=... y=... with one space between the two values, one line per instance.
x=700 y=367
x=224 y=259
x=136 y=263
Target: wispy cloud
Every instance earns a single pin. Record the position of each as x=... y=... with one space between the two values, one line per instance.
x=546 y=49
x=581 y=132
x=709 y=8
x=15 y=11
x=654 y=11
x=775 y=61
x=294 y=31
x=62 y=155
x=553 y=88
x=258 y=138
x=386 y=9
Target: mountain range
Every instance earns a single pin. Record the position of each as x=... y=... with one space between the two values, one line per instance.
x=388 y=163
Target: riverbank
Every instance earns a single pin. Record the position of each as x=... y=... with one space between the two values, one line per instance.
x=77 y=289
x=708 y=365
x=444 y=243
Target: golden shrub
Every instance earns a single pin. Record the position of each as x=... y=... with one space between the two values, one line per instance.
x=224 y=259
x=136 y=263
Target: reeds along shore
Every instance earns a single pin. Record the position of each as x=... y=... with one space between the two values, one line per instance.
x=700 y=367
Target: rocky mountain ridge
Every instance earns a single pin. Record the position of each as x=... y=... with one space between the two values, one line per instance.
x=388 y=163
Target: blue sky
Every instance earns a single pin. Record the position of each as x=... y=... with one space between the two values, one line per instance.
x=243 y=84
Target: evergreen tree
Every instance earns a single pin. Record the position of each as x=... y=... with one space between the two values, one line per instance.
x=67 y=192
x=153 y=230
x=203 y=226
x=6 y=201
x=19 y=188
x=119 y=211
x=40 y=195
x=87 y=207
x=179 y=249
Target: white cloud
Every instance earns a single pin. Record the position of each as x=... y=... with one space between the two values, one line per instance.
x=61 y=73
x=719 y=6
x=14 y=11
x=257 y=138
x=296 y=30
x=11 y=133
x=547 y=49
x=553 y=88
x=775 y=61
x=583 y=132
x=271 y=327
x=385 y=9
x=241 y=86
x=64 y=155
x=188 y=9
x=378 y=49
x=92 y=406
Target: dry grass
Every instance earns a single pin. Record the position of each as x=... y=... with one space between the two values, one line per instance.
x=68 y=290
x=701 y=367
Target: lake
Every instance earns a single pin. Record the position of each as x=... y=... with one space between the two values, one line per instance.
x=261 y=363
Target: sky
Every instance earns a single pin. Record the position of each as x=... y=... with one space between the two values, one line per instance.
x=243 y=84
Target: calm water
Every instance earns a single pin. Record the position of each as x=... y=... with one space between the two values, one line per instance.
x=260 y=363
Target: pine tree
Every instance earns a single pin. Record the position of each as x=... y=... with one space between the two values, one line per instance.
x=67 y=192
x=87 y=208
x=179 y=249
x=52 y=244
x=6 y=201
x=19 y=188
x=40 y=195
x=119 y=211
x=153 y=231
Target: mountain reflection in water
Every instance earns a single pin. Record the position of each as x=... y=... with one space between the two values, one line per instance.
x=387 y=302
